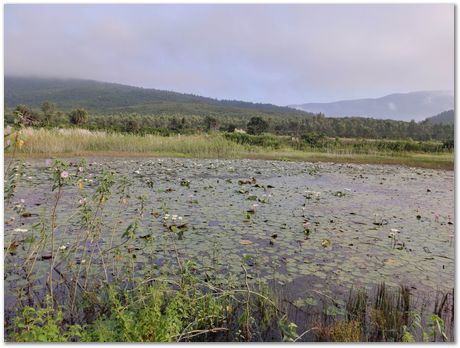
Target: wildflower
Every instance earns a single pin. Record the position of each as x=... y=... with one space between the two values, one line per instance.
x=137 y=172
x=64 y=174
x=20 y=143
x=20 y=230
x=179 y=218
x=62 y=247
x=81 y=185
x=394 y=230
x=48 y=163
x=83 y=261
x=80 y=169
x=82 y=201
x=306 y=225
x=8 y=142
x=174 y=217
x=166 y=217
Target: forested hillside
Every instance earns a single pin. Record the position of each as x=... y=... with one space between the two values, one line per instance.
x=114 y=107
x=446 y=117
x=109 y=98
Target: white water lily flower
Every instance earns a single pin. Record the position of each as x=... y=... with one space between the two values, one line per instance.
x=20 y=230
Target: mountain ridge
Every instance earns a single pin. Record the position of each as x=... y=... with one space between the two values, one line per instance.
x=98 y=96
x=398 y=106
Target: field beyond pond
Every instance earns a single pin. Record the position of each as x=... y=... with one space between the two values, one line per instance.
x=311 y=231
x=80 y=142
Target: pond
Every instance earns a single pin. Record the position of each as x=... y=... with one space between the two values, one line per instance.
x=308 y=228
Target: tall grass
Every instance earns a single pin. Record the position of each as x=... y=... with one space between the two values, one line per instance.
x=218 y=145
x=81 y=140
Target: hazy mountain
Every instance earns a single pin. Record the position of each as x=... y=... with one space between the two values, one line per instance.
x=399 y=106
x=104 y=98
x=445 y=117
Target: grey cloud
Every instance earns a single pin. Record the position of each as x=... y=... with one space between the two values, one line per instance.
x=281 y=54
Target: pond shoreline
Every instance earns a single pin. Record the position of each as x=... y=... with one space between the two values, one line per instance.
x=411 y=160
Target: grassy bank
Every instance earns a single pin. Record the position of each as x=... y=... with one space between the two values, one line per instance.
x=80 y=142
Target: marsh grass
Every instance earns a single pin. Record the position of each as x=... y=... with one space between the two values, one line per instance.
x=385 y=314
x=81 y=142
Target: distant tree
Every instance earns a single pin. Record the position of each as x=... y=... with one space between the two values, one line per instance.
x=313 y=139
x=231 y=127
x=174 y=124
x=78 y=117
x=210 y=123
x=132 y=126
x=257 y=125
x=27 y=116
x=49 y=110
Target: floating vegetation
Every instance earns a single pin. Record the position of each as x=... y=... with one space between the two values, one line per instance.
x=212 y=241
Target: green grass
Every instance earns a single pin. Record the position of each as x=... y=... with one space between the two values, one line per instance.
x=80 y=142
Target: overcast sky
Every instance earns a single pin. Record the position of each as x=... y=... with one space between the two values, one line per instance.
x=281 y=54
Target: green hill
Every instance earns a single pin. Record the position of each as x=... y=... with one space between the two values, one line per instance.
x=446 y=117
x=110 y=98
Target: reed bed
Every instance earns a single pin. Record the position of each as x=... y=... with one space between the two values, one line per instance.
x=81 y=140
x=39 y=142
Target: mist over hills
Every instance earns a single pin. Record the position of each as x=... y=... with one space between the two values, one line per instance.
x=399 y=106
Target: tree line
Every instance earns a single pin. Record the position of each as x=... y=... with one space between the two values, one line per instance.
x=169 y=123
